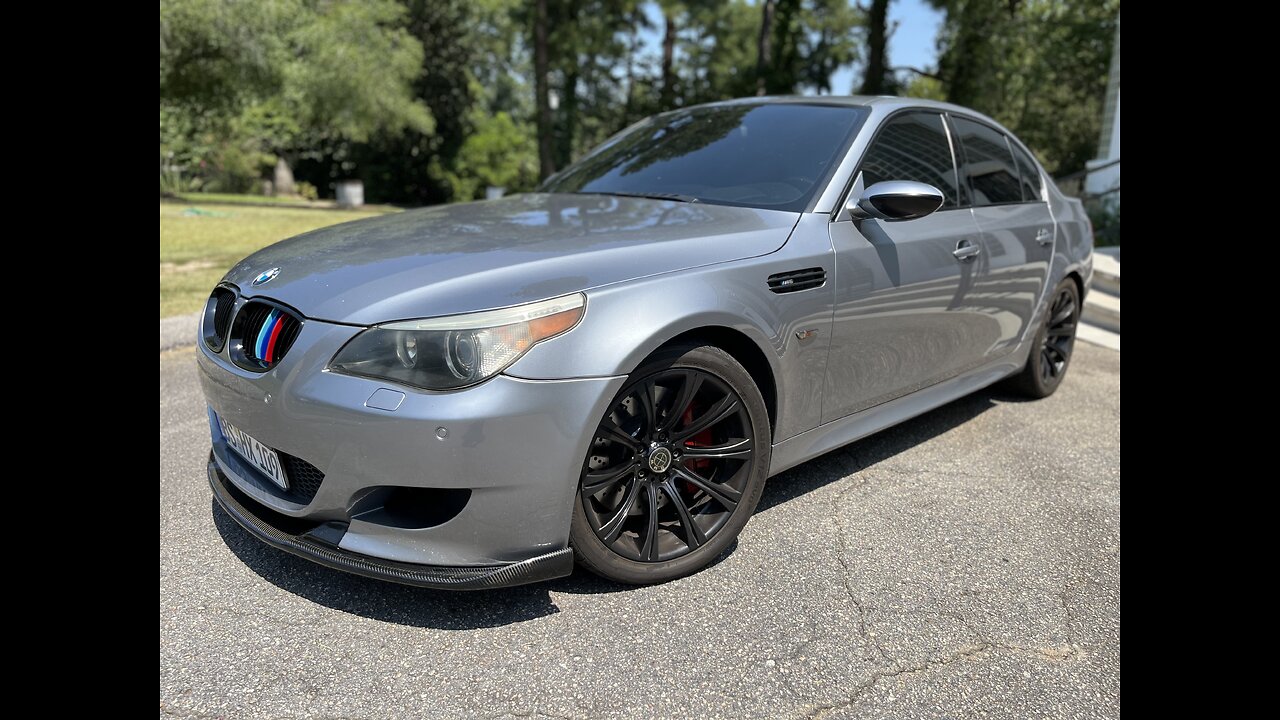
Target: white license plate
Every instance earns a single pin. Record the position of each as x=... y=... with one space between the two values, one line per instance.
x=262 y=457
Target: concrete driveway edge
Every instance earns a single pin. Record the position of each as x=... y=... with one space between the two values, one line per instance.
x=178 y=331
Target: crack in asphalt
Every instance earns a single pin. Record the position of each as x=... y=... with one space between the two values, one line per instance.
x=532 y=714
x=984 y=645
x=971 y=652
x=863 y=626
x=1069 y=616
x=168 y=710
x=824 y=710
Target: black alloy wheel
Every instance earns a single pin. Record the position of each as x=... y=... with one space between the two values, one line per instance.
x=674 y=469
x=1051 y=353
x=1059 y=337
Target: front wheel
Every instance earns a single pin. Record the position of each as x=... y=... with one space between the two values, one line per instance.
x=1054 y=341
x=675 y=468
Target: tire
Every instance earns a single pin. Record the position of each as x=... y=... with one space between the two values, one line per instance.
x=643 y=516
x=1055 y=339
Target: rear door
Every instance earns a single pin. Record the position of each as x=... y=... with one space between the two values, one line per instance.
x=902 y=321
x=1017 y=229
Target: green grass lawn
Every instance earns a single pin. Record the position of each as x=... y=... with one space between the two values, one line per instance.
x=198 y=244
x=241 y=198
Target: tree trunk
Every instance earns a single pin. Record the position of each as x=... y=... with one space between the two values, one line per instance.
x=764 y=50
x=546 y=148
x=632 y=45
x=873 y=83
x=667 y=98
x=568 y=118
x=971 y=64
x=283 y=183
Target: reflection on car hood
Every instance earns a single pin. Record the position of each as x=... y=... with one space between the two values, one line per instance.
x=476 y=256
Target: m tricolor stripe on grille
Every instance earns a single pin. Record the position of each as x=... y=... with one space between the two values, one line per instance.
x=266 y=332
x=269 y=336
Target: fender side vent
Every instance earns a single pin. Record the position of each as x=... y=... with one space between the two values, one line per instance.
x=797 y=280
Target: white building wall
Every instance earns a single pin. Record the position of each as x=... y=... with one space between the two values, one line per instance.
x=1108 y=178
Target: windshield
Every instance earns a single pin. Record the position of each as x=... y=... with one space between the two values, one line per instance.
x=763 y=156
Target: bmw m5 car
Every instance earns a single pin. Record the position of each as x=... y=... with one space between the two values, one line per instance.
x=608 y=369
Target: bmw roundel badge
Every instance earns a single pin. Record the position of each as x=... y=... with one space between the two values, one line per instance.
x=266 y=276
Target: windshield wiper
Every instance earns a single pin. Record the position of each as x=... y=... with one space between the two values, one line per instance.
x=677 y=197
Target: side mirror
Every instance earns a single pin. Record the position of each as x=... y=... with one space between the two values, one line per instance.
x=896 y=200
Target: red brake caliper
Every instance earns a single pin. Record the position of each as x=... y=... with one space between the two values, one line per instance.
x=702 y=439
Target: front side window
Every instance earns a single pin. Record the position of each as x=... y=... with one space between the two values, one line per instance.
x=988 y=164
x=1031 y=184
x=913 y=147
x=774 y=156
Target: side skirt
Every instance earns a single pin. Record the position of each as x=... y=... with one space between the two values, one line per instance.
x=837 y=433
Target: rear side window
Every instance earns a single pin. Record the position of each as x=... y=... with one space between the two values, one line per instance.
x=913 y=147
x=1030 y=175
x=988 y=164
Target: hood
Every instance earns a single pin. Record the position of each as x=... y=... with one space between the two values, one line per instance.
x=477 y=256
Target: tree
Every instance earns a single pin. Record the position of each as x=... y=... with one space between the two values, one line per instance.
x=340 y=88
x=285 y=75
x=975 y=48
x=803 y=43
x=1038 y=66
x=787 y=70
x=765 y=55
x=668 y=98
x=719 y=50
x=498 y=152
x=459 y=38
x=876 y=79
x=829 y=40
x=542 y=92
x=636 y=21
x=587 y=42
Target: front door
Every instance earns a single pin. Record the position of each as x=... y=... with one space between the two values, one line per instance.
x=903 y=320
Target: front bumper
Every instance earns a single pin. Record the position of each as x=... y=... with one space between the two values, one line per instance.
x=321 y=544
x=513 y=448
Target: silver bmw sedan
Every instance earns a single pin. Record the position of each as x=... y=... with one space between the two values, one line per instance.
x=608 y=369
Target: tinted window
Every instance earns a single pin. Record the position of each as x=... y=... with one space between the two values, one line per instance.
x=767 y=156
x=913 y=147
x=1030 y=175
x=988 y=164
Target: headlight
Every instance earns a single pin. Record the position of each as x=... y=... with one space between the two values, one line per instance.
x=456 y=351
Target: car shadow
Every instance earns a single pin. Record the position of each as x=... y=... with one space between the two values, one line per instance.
x=451 y=610
x=862 y=454
x=583 y=582
x=385 y=601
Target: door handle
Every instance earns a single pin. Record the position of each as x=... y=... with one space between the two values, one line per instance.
x=1044 y=236
x=966 y=250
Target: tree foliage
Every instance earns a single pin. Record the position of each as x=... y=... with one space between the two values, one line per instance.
x=249 y=80
x=1038 y=66
x=432 y=101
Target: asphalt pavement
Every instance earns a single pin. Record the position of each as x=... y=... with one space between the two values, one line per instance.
x=963 y=564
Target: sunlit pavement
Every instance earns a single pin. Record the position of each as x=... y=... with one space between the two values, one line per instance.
x=964 y=564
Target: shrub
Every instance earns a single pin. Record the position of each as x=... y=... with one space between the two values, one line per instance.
x=1106 y=223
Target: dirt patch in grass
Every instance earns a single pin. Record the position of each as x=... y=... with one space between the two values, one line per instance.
x=192 y=266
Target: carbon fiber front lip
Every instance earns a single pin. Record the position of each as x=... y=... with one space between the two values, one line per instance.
x=543 y=567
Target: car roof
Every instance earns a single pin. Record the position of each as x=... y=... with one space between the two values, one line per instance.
x=886 y=102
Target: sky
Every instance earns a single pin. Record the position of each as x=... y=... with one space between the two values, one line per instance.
x=912 y=43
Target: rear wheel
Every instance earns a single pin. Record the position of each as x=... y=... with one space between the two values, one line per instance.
x=1056 y=338
x=675 y=468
